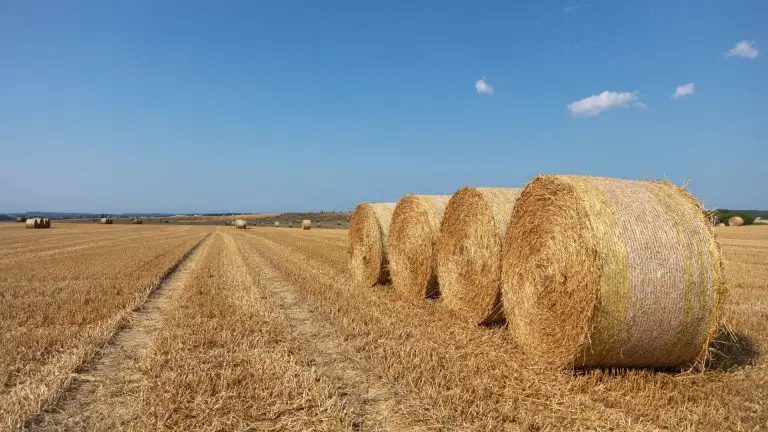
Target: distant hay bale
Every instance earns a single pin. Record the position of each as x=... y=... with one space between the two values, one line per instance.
x=735 y=221
x=338 y=223
x=241 y=224
x=368 y=230
x=412 y=244
x=21 y=219
x=721 y=224
x=138 y=221
x=601 y=272
x=32 y=223
x=469 y=251
x=46 y=223
x=277 y=223
x=306 y=224
x=106 y=220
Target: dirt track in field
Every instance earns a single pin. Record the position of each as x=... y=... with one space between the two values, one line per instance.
x=371 y=399
x=112 y=373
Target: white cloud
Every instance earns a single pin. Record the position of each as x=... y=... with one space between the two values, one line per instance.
x=576 y=6
x=743 y=49
x=683 y=90
x=483 y=87
x=594 y=105
x=638 y=104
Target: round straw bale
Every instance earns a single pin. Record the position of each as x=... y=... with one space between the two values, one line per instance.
x=306 y=224
x=368 y=257
x=412 y=243
x=106 y=220
x=602 y=272
x=277 y=223
x=721 y=224
x=24 y=219
x=469 y=251
x=241 y=224
x=138 y=221
x=735 y=221
x=32 y=223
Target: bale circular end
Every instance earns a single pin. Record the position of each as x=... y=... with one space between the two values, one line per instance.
x=368 y=230
x=412 y=242
x=610 y=273
x=735 y=221
x=469 y=251
x=306 y=224
x=241 y=224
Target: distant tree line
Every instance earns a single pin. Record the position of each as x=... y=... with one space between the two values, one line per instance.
x=723 y=215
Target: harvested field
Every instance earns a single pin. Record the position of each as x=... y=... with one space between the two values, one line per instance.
x=263 y=329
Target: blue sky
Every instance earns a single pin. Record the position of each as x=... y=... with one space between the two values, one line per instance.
x=190 y=106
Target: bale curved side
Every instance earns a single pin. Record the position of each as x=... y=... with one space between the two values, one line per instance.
x=368 y=231
x=602 y=272
x=735 y=221
x=306 y=224
x=32 y=223
x=469 y=251
x=412 y=244
x=241 y=224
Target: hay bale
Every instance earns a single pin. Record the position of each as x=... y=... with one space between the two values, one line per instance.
x=241 y=224
x=107 y=220
x=138 y=221
x=721 y=224
x=21 y=219
x=46 y=223
x=277 y=223
x=469 y=251
x=368 y=230
x=602 y=272
x=306 y=224
x=412 y=244
x=32 y=223
x=735 y=221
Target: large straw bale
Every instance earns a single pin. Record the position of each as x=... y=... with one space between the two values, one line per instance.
x=412 y=244
x=32 y=223
x=306 y=224
x=277 y=223
x=107 y=220
x=368 y=255
x=735 y=221
x=601 y=272
x=138 y=221
x=469 y=251
x=241 y=224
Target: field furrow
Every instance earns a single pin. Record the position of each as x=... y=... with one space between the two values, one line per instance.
x=56 y=312
x=369 y=398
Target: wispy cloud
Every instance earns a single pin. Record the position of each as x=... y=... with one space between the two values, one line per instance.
x=576 y=6
x=683 y=90
x=638 y=104
x=744 y=49
x=482 y=86
x=593 y=105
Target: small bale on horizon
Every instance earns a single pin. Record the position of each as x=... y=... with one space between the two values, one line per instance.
x=306 y=224
x=107 y=220
x=241 y=224
x=735 y=221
